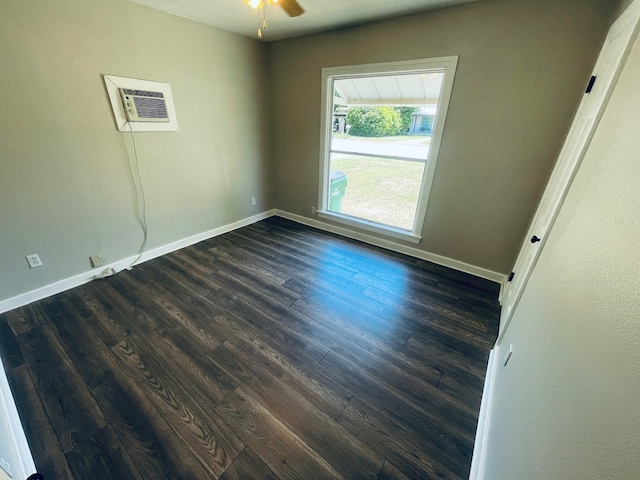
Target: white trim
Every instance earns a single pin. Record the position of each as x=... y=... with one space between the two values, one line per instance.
x=503 y=288
x=396 y=247
x=371 y=226
x=15 y=433
x=576 y=144
x=446 y=65
x=479 y=456
x=384 y=68
x=113 y=83
x=84 y=277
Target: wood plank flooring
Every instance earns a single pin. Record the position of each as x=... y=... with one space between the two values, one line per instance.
x=272 y=352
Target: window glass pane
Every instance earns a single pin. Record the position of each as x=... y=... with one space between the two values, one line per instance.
x=380 y=123
x=377 y=189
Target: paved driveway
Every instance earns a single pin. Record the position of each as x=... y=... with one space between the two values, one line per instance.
x=405 y=148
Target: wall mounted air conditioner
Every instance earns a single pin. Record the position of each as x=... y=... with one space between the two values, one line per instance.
x=141 y=105
x=144 y=105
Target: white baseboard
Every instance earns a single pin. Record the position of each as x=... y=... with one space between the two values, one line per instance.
x=484 y=419
x=84 y=277
x=396 y=247
x=15 y=449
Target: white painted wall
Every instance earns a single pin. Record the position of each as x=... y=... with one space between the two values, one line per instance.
x=567 y=406
x=66 y=184
x=523 y=65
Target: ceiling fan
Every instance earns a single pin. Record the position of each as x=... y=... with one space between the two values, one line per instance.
x=291 y=7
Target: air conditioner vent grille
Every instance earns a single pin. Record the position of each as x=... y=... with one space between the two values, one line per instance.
x=144 y=105
x=151 y=107
x=143 y=93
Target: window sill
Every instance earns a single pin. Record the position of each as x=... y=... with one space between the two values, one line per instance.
x=370 y=226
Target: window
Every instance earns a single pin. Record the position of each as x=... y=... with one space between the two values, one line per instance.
x=426 y=125
x=380 y=134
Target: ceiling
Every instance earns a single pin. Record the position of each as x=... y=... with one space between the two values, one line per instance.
x=320 y=15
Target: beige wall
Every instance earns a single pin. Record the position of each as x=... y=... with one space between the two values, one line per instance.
x=567 y=406
x=523 y=67
x=66 y=189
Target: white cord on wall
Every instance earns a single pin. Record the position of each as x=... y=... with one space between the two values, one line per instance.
x=143 y=218
x=137 y=179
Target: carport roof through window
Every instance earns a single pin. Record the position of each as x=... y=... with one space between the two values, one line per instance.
x=399 y=89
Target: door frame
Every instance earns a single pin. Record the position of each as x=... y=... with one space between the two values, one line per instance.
x=566 y=168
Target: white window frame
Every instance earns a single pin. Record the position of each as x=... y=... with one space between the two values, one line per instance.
x=448 y=66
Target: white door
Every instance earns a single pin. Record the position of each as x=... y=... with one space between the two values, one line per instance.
x=605 y=75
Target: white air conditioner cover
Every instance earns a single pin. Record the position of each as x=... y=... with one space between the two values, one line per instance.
x=151 y=118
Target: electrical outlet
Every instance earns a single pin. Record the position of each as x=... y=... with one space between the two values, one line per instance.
x=253 y=200
x=313 y=210
x=34 y=260
x=97 y=260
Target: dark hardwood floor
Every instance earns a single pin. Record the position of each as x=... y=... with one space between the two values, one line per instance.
x=272 y=352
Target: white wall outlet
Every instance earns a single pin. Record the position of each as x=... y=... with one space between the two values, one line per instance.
x=253 y=200
x=97 y=260
x=34 y=260
x=313 y=210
